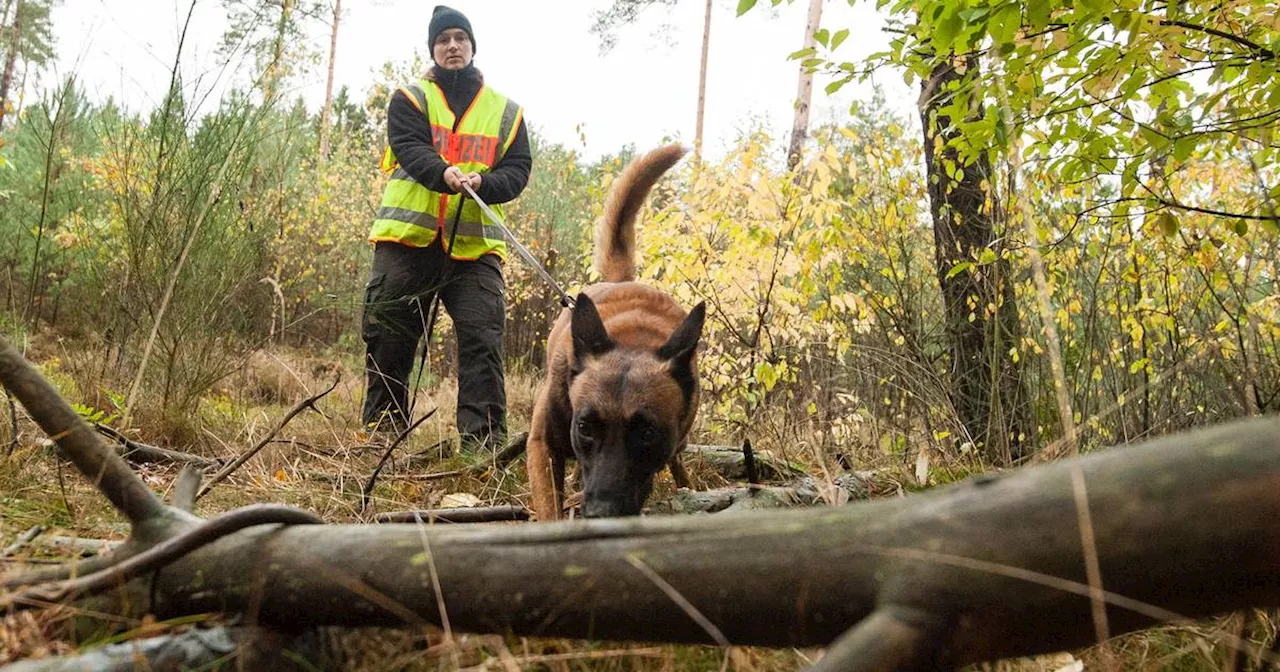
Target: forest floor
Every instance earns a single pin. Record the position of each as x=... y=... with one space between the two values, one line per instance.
x=321 y=462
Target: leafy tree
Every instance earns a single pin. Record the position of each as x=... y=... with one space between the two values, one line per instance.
x=28 y=36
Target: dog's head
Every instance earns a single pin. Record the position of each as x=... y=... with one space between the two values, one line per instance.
x=631 y=408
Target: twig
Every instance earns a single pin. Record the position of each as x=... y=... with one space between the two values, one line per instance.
x=409 y=462
x=478 y=514
x=684 y=604
x=435 y=585
x=514 y=448
x=301 y=406
x=161 y=554
x=427 y=477
x=22 y=540
x=373 y=478
x=62 y=490
x=136 y=452
x=77 y=441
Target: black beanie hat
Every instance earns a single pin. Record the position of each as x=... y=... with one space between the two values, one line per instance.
x=444 y=18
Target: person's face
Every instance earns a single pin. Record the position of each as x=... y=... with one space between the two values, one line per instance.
x=452 y=50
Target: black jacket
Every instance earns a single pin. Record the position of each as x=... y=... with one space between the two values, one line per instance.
x=409 y=135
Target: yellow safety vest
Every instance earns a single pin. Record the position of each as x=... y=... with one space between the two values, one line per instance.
x=414 y=215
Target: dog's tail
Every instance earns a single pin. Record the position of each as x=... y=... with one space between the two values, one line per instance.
x=616 y=231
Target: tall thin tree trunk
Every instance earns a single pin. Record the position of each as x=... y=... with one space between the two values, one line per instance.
x=328 y=85
x=702 y=80
x=10 y=60
x=980 y=309
x=804 y=92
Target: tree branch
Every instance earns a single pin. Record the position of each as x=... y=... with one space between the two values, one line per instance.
x=159 y=555
x=77 y=442
x=373 y=478
x=478 y=514
x=301 y=406
x=1256 y=48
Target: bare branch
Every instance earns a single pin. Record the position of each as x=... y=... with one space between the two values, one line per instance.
x=373 y=478
x=478 y=514
x=141 y=453
x=76 y=440
x=22 y=540
x=160 y=555
x=301 y=406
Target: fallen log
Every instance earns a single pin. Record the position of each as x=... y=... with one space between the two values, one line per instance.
x=732 y=463
x=463 y=514
x=141 y=453
x=1184 y=527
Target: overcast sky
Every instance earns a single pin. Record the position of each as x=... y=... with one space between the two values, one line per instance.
x=538 y=52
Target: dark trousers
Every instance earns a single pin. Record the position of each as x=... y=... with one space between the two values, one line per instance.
x=397 y=307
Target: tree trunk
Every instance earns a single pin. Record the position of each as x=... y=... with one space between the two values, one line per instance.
x=702 y=80
x=980 y=305
x=10 y=60
x=328 y=84
x=804 y=93
x=1184 y=525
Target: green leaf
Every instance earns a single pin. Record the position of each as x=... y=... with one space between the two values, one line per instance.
x=838 y=38
x=1168 y=223
x=803 y=53
x=822 y=36
x=1038 y=14
x=1241 y=227
x=986 y=256
x=946 y=32
x=959 y=268
x=1184 y=146
x=1004 y=25
x=745 y=6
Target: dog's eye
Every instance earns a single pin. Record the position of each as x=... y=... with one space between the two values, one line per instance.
x=648 y=435
x=585 y=427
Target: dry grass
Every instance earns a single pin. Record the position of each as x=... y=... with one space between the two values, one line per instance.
x=320 y=463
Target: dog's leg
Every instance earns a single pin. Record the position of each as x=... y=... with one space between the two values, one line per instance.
x=539 y=464
x=678 y=474
x=557 y=481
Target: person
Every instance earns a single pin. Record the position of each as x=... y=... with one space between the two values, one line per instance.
x=432 y=242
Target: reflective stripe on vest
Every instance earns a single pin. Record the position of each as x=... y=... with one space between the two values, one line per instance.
x=412 y=214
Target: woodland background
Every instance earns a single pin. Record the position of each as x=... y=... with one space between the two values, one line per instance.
x=1078 y=251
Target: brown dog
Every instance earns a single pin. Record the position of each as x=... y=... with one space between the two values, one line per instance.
x=621 y=389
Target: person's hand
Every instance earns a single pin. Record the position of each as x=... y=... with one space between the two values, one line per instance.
x=474 y=180
x=453 y=177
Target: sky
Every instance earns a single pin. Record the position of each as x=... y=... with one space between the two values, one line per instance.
x=537 y=52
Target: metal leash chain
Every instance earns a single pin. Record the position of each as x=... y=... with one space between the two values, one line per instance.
x=565 y=299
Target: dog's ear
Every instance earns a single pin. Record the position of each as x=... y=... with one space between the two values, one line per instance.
x=684 y=340
x=589 y=335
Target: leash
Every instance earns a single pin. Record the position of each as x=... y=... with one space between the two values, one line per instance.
x=565 y=299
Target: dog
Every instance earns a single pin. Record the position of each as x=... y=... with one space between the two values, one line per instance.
x=621 y=390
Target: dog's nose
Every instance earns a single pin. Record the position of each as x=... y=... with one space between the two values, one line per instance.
x=607 y=508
